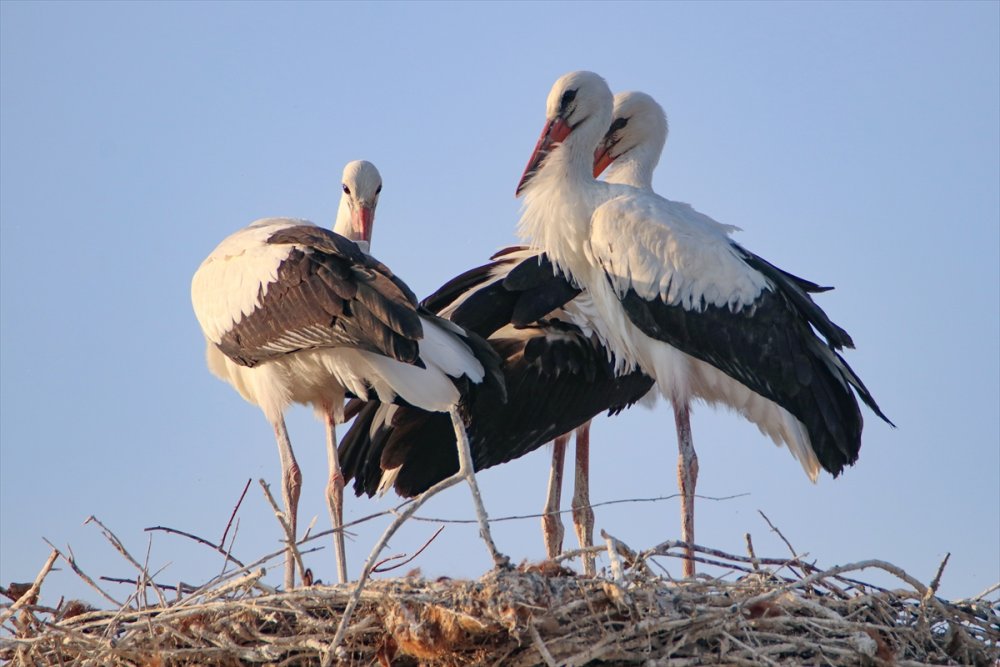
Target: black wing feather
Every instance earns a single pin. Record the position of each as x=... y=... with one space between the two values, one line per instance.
x=769 y=347
x=541 y=405
x=797 y=291
x=327 y=294
x=556 y=378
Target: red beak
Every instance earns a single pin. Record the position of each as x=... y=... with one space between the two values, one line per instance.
x=364 y=218
x=555 y=133
x=602 y=158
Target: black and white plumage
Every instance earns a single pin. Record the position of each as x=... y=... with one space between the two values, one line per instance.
x=677 y=298
x=629 y=151
x=556 y=374
x=294 y=313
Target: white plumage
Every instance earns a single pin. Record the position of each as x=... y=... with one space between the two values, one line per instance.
x=674 y=296
x=293 y=313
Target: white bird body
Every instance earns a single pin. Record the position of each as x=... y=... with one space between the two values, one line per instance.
x=675 y=297
x=698 y=268
x=226 y=288
x=618 y=237
x=294 y=313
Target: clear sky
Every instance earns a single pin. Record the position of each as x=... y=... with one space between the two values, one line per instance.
x=855 y=143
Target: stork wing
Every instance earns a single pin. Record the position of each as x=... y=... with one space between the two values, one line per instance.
x=667 y=251
x=556 y=380
x=304 y=287
x=690 y=287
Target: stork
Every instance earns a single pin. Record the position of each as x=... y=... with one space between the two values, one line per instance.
x=630 y=151
x=678 y=299
x=294 y=313
x=557 y=375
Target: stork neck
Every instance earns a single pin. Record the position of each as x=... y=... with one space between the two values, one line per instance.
x=635 y=168
x=556 y=217
x=342 y=225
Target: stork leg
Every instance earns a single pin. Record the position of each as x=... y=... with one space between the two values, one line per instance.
x=291 y=485
x=583 y=514
x=335 y=494
x=467 y=471
x=390 y=530
x=687 y=478
x=552 y=525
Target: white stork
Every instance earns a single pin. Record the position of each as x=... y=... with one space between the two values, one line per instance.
x=629 y=151
x=557 y=375
x=294 y=313
x=638 y=134
x=678 y=299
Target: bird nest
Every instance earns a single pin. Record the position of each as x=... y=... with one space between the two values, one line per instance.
x=762 y=612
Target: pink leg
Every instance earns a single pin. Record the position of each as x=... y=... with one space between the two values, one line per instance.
x=687 y=478
x=335 y=493
x=552 y=525
x=291 y=485
x=583 y=514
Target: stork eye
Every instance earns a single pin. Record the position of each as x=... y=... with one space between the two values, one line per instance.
x=347 y=190
x=566 y=100
x=618 y=124
x=378 y=189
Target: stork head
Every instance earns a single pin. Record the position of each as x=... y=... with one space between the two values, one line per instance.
x=577 y=112
x=360 y=185
x=633 y=143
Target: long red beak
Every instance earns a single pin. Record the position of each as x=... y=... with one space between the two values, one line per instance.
x=602 y=158
x=555 y=133
x=364 y=218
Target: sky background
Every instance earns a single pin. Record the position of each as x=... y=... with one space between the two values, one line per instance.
x=855 y=143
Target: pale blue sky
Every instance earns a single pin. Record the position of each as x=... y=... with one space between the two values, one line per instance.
x=856 y=144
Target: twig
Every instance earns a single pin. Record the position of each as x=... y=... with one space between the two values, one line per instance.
x=543 y=650
x=289 y=536
x=378 y=569
x=30 y=595
x=775 y=529
x=617 y=572
x=352 y=603
x=117 y=544
x=243 y=569
x=71 y=561
x=576 y=553
x=753 y=556
x=216 y=581
x=180 y=587
x=936 y=581
x=232 y=516
x=312 y=524
x=982 y=596
x=519 y=517
x=662 y=549
x=788 y=544
x=246 y=581
x=229 y=550
x=860 y=565
x=147 y=576
x=199 y=540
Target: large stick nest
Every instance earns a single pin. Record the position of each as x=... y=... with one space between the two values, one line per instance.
x=766 y=611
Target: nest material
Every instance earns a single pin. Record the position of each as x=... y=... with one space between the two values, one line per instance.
x=534 y=616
